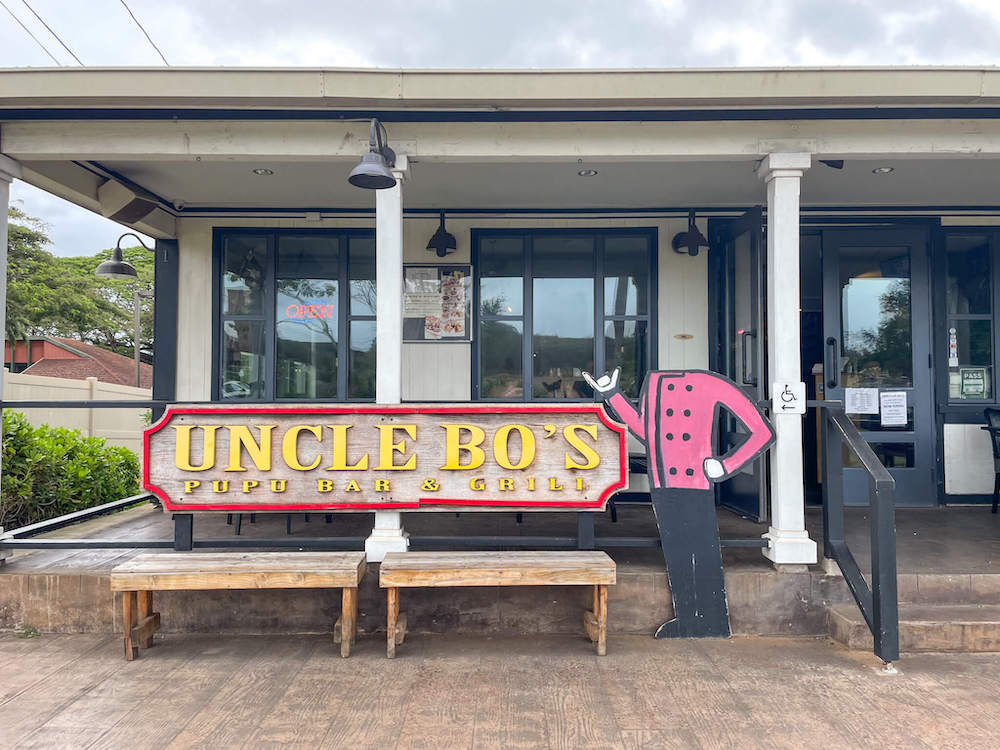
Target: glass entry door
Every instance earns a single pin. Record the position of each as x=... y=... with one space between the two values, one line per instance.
x=876 y=321
x=740 y=248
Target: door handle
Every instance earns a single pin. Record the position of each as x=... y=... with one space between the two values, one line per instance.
x=830 y=367
x=744 y=335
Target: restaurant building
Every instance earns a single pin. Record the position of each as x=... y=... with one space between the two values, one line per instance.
x=837 y=227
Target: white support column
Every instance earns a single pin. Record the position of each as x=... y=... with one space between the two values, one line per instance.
x=788 y=541
x=388 y=535
x=9 y=170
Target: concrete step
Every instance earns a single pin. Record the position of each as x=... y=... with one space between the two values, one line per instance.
x=923 y=627
x=948 y=588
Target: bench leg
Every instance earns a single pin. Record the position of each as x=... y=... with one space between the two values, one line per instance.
x=392 y=602
x=128 y=622
x=348 y=620
x=145 y=611
x=595 y=620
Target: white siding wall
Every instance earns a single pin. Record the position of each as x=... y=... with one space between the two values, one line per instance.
x=440 y=371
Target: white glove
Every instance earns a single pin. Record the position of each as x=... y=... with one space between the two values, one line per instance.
x=605 y=383
x=714 y=468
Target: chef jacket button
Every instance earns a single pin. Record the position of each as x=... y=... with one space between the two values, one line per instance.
x=687 y=412
x=670 y=436
x=673 y=470
x=689 y=472
x=670 y=387
x=670 y=412
x=685 y=436
x=688 y=388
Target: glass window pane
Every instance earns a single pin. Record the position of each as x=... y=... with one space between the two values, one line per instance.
x=244 y=264
x=626 y=275
x=876 y=340
x=501 y=374
x=562 y=337
x=563 y=256
x=242 y=360
x=308 y=257
x=625 y=346
x=361 y=368
x=873 y=422
x=501 y=271
x=306 y=332
x=362 y=274
x=968 y=275
x=892 y=455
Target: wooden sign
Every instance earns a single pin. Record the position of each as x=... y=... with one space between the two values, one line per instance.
x=427 y=458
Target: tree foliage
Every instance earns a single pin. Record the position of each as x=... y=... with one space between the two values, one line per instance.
x=48 y=295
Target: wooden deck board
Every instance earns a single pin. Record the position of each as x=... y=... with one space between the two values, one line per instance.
x=496 y=569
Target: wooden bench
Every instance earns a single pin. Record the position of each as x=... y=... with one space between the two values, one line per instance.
x=415 y=569
x=138 y=578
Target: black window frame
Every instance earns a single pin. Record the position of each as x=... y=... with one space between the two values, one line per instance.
x=528 y=235
x=268 y=317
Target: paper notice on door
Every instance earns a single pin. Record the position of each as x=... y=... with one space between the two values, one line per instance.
x=861 y=400
x=893 y=405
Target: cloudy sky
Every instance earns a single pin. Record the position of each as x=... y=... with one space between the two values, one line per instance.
x=491 y=34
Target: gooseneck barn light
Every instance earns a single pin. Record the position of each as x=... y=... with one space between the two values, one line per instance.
x=118 y=267
x=443 y=241
x=372 y=173
x=689 y=241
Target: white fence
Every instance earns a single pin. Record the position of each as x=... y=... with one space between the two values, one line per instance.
x=118 y=426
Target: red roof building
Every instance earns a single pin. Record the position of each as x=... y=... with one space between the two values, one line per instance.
x=75 y=360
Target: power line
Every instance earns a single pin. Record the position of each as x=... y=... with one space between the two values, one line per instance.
x=51 y=31
x=143 y=30
x=29 y=33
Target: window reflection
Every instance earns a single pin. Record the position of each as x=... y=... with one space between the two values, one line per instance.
x=501 y=284
x=876 y=327
x=361 y=370
x=362 y=272
x=970 y=324
x=625 y=347
x=501 y=350
x=626 y=274
x=306 y=340
x=243 y=275
x=563 y=337
x=242 y=359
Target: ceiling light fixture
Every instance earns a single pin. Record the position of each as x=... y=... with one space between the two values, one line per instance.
x=263 y=171
x=443 y=241
x=883 y=170
x=587 y=172
x=372 y=171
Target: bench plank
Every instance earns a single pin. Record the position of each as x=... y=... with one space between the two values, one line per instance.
x=227 y=570
x=413 y=569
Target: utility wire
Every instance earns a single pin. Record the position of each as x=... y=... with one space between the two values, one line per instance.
x=143 y=30
x=51 y=31
x=28 y=31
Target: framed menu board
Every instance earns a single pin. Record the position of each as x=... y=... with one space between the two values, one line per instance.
x=437 y=303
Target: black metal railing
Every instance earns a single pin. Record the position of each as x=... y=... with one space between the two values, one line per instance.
x=878 y=603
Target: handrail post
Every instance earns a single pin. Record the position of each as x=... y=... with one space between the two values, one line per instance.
x=885 y=606
x=833 y=487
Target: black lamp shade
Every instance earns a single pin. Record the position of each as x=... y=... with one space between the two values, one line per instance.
x=372 y=173
x=442 y=241
x=117 y=268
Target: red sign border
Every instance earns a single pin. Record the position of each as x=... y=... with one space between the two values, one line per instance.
x=420 y=501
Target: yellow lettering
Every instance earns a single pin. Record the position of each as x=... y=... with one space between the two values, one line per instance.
x=278 y=485
x=240 y=437
x=501 y=445
x=386 y=448
x=506 y=484
x=587 y=452
x=182 y=450
x=250 y=484
x=531 y=484
x=477 y=484
x=553 y=486
x=382 y=485
x=290 y=446
x=454 y=447
x=579 y=483
x=189 y=486
x=352 y=486
x=339 y=462
x=220 y=486
x=324 y=485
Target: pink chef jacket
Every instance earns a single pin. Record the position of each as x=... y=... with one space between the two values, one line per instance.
x=675 y=420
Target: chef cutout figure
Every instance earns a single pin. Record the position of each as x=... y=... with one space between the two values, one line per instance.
x=676 y=420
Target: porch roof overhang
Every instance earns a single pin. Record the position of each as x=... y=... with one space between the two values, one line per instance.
x=186 y=139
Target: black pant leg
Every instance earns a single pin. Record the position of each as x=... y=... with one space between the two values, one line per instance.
x=689 y=534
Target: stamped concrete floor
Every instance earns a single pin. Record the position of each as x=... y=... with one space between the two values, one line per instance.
x=76 y=691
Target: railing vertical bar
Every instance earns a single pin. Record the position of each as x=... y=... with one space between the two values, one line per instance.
x=833 y=486
x=885 y=606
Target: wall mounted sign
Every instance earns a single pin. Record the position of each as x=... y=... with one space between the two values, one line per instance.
x=437 y=303
x=288 y=458
x=892 y=406
x=973 y=382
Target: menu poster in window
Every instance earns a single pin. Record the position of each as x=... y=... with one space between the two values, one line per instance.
x=437 y=303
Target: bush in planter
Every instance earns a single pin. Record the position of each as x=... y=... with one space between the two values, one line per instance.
x=50 y=471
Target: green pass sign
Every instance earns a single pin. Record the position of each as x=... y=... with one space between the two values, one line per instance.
x=973 y=382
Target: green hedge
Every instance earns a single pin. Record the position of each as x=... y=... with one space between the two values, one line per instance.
x=49 y=471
